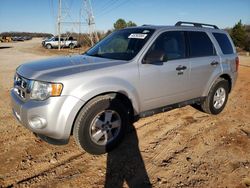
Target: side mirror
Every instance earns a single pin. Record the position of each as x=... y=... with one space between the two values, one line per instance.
x=154 y=57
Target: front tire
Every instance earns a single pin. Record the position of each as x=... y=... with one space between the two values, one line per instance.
x=49 y=46
x=100 y=125
x=216 y=100
x=71 y=46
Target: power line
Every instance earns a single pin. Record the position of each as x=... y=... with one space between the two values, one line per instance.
x=107 y=5
x=51 y=7
x=114 y=7
x=100 y=4
x=52 y=12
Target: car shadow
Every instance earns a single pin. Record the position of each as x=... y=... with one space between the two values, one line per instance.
x=125 y=164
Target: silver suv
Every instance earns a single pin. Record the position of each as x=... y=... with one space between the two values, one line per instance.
x=134 y=72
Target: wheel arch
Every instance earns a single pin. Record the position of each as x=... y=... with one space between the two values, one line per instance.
x=224 y=76
x=48 y=44
x=120 y=96
x=229 y=79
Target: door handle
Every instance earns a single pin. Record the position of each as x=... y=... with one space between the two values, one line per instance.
x=180 y=68
x=214 y=63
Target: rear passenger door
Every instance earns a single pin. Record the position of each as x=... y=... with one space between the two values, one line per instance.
x=203 y=59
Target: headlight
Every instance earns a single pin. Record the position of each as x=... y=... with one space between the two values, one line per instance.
x=43 y=90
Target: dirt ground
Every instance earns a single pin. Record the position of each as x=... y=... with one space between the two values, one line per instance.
x=180 y=148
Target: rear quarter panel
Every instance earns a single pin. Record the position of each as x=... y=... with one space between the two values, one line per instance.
x=227 y=63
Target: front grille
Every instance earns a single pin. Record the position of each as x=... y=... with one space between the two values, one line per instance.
x=21 y=86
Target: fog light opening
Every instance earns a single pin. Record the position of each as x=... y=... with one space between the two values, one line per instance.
x=37 y=123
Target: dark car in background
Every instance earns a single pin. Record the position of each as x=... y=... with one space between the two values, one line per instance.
x=21 y=38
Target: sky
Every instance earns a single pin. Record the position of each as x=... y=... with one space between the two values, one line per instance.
x=41 y=15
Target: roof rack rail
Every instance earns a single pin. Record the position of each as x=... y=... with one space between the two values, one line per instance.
x=195 y=24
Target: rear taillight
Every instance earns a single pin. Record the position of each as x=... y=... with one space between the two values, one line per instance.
x=237 y=62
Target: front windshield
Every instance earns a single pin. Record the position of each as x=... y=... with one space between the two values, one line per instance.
x=122 y=45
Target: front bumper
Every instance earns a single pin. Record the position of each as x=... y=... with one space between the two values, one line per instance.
x=57 y=114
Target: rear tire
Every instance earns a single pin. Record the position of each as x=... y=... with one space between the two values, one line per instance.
x=216 y=100
x=101 y=125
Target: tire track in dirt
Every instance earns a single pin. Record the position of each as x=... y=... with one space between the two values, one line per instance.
x=27 y=178
x=64 y=171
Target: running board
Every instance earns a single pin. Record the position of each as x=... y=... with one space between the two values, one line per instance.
x=170 y=107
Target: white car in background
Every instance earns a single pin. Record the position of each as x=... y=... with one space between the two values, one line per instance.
x=53 y=42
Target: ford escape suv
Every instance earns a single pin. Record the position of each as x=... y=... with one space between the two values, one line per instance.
x=133 y=72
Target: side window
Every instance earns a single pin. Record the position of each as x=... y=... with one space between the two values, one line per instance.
x=171 y=44
x=56 y=39
x=200 y=44
x=224 y=43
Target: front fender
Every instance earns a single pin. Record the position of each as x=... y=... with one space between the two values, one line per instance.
x=99 y=86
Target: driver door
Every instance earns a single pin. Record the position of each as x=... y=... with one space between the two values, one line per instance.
x=166 y=80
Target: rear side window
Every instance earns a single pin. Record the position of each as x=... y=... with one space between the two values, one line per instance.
x=224 y=43
x=200 y=44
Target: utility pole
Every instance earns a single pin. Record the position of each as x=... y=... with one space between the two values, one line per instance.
x=91 y=22
x=59 y=23
x=65 y=19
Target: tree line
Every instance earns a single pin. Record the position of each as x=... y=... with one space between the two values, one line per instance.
x=28 y=34
x=240 y=35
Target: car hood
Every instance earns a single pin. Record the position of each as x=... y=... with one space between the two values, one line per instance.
x=54 y=68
